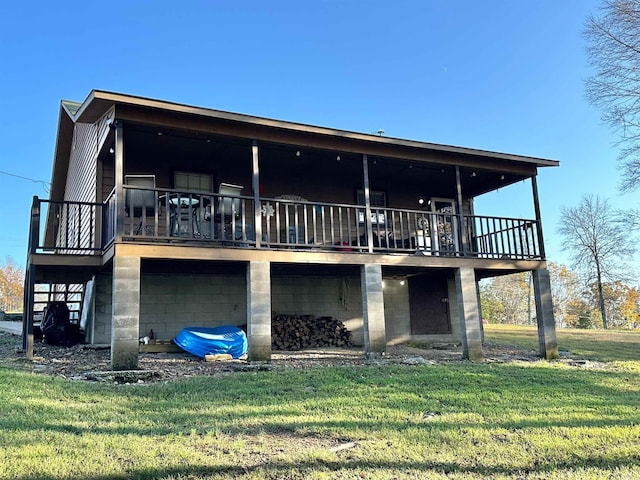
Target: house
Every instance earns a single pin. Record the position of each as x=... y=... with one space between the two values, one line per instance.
x=164 y=215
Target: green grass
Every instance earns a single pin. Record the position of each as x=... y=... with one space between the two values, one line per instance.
x=601 y=345
x=461 y=421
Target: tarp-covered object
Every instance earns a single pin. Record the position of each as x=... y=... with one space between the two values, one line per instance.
x=56 y=326
x=201 y=341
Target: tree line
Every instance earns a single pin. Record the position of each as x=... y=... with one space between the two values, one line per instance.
x=596 y=289
x=509 y=299
x=11 y=287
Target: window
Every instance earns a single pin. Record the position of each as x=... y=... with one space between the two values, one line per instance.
x=377 y=198
x=196 y=182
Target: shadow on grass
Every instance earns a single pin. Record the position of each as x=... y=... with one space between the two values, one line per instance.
x=499 y=396
x=304 y=469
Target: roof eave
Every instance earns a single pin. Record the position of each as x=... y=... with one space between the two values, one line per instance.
x=98 y=101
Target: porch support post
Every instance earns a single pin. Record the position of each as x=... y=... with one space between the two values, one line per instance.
x=125 y=308
x=536 y=206
x=469 y=312
x=367 y=201
x=375 y=339
x=461 y=231
x=27 y=315
x=259 y=311
x=544 y=315
x=29 y=279
x=119 y=180
x=480 y=315
x=257 y=219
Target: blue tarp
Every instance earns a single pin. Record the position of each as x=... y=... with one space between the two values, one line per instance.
x=201 y=341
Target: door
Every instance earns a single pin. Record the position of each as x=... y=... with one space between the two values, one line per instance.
x=446 y=230
x=429 y=305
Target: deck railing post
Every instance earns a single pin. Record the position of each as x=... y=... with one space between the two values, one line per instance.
x=257 y=219
x=34 y=228
x=461 y=229
x=536 y=205
x=119 y=180
x=367 y=202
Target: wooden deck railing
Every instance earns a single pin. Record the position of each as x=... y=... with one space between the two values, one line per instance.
x=72 y=228
x=155 y=215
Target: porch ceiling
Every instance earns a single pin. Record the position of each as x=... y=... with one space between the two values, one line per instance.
x=201 y=151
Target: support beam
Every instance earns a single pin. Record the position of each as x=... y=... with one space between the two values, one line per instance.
x=544 y=315
x=27 y=315
x=259 y=311
x=125 y=307
x=469 y=312
x=375 y=338
x=119 y=178
x=460 y=215
x=367 y=202
x=257 y=216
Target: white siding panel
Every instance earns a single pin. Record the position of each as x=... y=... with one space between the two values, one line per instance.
x=78 y=223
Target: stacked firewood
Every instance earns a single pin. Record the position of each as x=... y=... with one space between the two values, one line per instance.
x=295 y=332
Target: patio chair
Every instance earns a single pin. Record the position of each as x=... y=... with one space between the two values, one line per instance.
x=140 y=203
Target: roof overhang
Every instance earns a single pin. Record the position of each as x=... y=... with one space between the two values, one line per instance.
x=98 y=102
x=165 y=114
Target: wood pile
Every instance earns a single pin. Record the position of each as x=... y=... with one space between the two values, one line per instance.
x=295 y=332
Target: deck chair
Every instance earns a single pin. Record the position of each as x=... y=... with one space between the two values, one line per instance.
x=229 y=208
x=140 y=203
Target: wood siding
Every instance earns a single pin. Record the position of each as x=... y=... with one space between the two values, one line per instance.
x=81 y=184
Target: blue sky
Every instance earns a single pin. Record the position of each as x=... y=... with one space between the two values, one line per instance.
x=499 y=75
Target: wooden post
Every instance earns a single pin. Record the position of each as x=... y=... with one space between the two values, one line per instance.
x=367 y=202
x=27 y=311
x=536 y=205
x=119 y=180
x=461 y=230
x=257 y=220
x=29 y=279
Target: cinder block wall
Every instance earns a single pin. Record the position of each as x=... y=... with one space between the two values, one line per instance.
x=342 y=299
x=170 y=303
x=320 y=296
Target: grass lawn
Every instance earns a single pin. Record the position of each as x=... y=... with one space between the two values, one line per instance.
x=602 y=345
x=518 y=420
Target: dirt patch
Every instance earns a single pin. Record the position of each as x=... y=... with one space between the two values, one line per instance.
x=90 y=363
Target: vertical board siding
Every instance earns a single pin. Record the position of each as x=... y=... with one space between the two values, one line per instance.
x=78 y=225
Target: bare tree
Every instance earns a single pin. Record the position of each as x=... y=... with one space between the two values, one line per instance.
x=599 y=244
x=613 y=49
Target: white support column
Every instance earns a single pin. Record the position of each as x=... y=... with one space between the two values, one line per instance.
x=469 y=312
x=259 y=311
x=119 y=179
x=375 y=338
x=544 y=315
x=257 y=216
x=125 y=320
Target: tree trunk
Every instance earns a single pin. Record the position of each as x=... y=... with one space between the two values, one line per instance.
x=601 y=297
